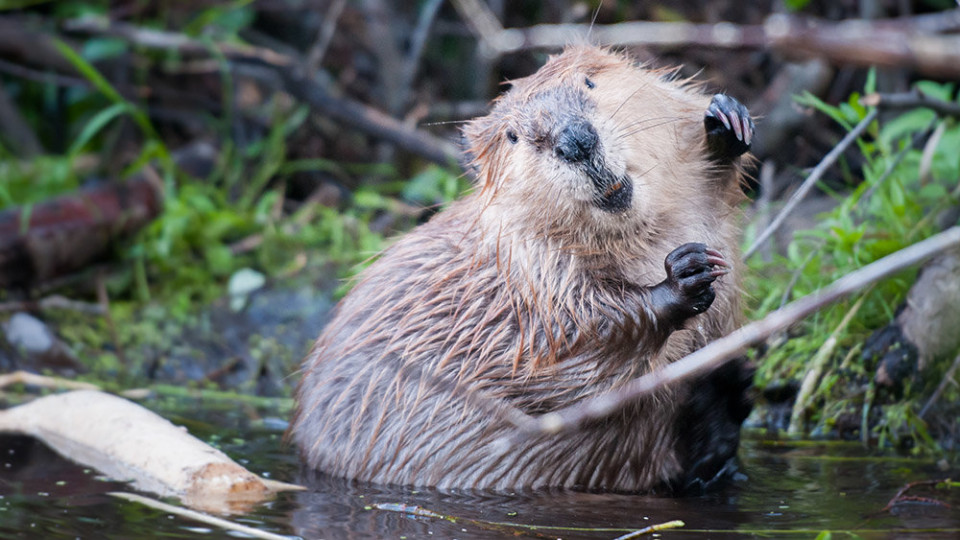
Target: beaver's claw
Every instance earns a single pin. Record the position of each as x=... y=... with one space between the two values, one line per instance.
x=729 y=128
x=691 y=270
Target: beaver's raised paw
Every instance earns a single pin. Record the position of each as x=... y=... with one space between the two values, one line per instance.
x=691 y=270
x=729 y=128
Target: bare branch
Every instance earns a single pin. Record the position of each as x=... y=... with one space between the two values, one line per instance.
x=325 y=35
x=912 y=100
x=296 y=82
x=158 y=39
x=811 y=180
x=905 y=42
x=734 y=344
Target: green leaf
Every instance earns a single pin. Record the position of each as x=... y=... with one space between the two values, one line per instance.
x=905 y=125
x=870 y=86
x=811 y=100
x=96 y=49
x=796 y=5
x=104 y=87
x=935 y=90
x=219 y=259
x=97 y=123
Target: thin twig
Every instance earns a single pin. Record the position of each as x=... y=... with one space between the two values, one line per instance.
x=788 y=290
x=325 y=35
x=418 y=42
x=912 y=100
x=811 y=180
x=651 y=529
x=888 y=172
x=901 y=493
x=199 y=516
x=726 y=348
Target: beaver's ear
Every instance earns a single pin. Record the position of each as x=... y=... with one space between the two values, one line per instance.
x=479 y=140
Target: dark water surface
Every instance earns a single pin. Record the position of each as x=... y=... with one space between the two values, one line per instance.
x=787 y=490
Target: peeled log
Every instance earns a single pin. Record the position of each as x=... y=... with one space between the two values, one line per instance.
x=127 y=442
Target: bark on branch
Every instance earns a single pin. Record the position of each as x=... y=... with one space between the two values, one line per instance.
x=295 y=81
x=912 y=42
x=731 y=346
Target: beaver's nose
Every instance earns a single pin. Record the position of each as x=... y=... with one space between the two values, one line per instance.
x=576 y=142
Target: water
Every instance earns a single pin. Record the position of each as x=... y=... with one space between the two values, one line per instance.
x=787 y=490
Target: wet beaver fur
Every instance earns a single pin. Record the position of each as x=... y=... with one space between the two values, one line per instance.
x=589 y=254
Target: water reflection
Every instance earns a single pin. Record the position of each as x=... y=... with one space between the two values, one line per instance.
x=788 y=490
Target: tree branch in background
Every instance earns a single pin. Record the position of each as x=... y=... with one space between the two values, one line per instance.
x=325 y=35
x=906 y=42
x=296 y=82
x=912 y=100
x=716 y=353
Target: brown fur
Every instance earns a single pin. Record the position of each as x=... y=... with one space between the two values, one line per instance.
x=524 y=294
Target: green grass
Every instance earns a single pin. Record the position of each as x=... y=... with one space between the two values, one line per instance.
x=879 y=213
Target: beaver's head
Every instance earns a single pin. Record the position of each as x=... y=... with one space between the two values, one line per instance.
x=588 y=136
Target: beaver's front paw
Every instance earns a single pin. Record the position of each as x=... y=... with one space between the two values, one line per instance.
x=729 y=128
x=691 y=270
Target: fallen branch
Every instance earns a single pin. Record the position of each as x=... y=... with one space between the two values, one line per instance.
x=297 y=80
x=906 y=42
x=734 y=344
x=366 y=119
x=125 y=441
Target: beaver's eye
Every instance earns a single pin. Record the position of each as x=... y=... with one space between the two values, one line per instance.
x=590 y=84
x=512 y=136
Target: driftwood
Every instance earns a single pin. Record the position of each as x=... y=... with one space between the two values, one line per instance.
x=127 y=442
x=716 y=353
x=66 y=233
x=907 y=42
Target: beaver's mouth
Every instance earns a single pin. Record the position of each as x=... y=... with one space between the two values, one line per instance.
x=612 y=193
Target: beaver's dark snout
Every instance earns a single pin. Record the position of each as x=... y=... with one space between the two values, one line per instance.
x=576 y=142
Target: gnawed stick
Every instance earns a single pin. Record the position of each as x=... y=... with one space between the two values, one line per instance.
x=127 y=442
x=734 y=344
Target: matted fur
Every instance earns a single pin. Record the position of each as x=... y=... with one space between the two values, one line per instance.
x=525 y=294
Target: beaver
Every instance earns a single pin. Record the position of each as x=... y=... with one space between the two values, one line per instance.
x=589 y=253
